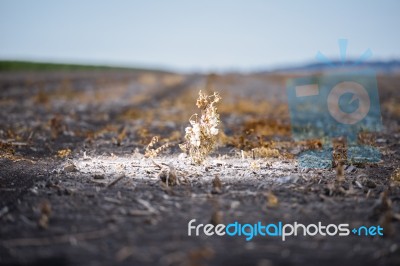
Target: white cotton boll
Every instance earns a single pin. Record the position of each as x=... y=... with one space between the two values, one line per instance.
x=195 y=141
x=214 y=122
x=214 y=131
x=196 y=128
x=188 y=130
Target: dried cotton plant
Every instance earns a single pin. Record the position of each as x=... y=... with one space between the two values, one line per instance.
x=201 y=135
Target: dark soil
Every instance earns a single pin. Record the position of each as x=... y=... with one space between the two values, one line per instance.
x=65 y=208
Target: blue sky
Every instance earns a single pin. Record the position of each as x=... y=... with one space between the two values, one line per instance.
x=203 y=35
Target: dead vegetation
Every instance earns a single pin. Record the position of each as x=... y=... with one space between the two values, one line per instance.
x=396 y=175
x=152 y=152
x=201 y=136
x=6 y=149
x=64 y=153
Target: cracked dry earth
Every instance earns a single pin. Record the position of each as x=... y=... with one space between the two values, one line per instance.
x=76 y=189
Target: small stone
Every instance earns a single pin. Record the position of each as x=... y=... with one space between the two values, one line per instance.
x=234 y=204
x=34 y=191
x=351 y=169
x=67 y=191
x=98 y=176
x=3 y=211
x=70 y=168
x=370 y=184
x=218 y=163
x=123 y=211
x=295 y=151
x=287 y=179
x=216 y=186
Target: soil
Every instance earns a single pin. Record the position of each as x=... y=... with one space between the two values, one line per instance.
x=76 y=188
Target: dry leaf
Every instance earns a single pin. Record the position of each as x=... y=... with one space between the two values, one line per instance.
x=272 y=200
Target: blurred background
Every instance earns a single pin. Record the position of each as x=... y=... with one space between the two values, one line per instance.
x=196 y=36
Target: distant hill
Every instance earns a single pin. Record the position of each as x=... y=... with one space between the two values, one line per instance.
x=13 y=66
x=378 y=66
x=30 y=66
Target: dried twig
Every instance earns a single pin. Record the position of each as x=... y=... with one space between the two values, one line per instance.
x=151 y=152
x=115 y=181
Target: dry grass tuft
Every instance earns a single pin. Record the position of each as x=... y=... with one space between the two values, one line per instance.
x=6 y=149
x=63 y=153
x=201 y=136
x=396 y=175
x=266 y=152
